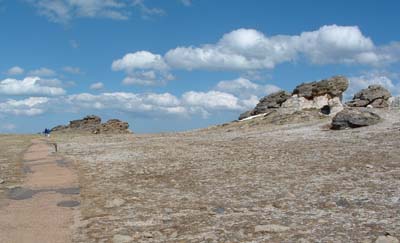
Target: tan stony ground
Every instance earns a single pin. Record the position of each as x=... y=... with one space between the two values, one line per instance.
x=38 y=209
x=11 y=152
x=241 y=182
x=250 y=181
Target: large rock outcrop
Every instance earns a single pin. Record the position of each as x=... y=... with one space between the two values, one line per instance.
x=353 y=118
x=324 y=95
x=332 y=87
x=92 y=124
x=88 y=123
x=375 y=96
x=113 y=126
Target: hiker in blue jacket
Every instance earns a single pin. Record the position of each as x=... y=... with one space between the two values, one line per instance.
x=47 y=132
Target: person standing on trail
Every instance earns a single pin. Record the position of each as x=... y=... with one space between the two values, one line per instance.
x=47 y=132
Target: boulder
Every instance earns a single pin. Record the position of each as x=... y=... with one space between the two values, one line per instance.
x=353 y=118
x=333 y=87
x=375 y=95
x=271 y=101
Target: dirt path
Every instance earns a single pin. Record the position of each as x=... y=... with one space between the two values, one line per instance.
x=42 y=209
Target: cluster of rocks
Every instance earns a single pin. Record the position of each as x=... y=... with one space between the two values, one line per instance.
x=325 y=96
x=357 y=113
x=92 y=124
x=375 y=96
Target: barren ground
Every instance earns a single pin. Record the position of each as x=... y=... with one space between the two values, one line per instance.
x=41 y=207
x=241 y=182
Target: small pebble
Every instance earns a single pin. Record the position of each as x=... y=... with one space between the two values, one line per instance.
x=148 y=235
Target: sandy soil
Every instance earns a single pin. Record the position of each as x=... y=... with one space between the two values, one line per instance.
x=240 y=182
x=42 y=208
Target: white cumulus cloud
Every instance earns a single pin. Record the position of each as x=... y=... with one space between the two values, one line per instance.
x=139 y=60
x=249 y=49
x=30 y=86
x=27 y=107
x=143 y=68
x=150 y=104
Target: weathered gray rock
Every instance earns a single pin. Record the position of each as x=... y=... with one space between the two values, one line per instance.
x=324 y=96
x=375 y=95
x=353 y=118
x=273 y=100
x=334 y=87
x=245 y=114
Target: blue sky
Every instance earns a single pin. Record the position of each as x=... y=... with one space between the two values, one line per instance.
x=180 y=64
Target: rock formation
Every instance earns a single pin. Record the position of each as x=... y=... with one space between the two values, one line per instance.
x=375 y=96
x=353 y=118
x=112 y=126
x=324 y=95
x=92 y=124
x=271 y=101
x=333 y=87
x=88 y=123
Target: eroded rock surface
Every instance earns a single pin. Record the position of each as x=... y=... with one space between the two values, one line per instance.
x=333 y=87
x=375 y=96
x=271 y=101
x=353 y=118
x=324 y=95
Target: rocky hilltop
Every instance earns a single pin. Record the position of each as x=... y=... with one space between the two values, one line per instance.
x=92 y=124
x=323 y=99
x=324 y=96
